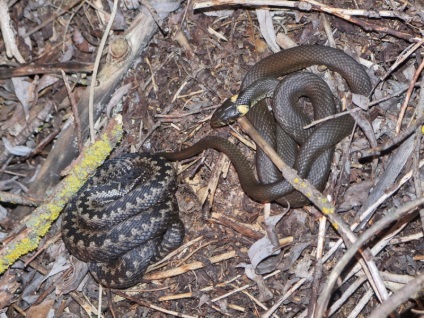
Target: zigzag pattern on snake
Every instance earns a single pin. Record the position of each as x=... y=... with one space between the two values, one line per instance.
x=126 y=216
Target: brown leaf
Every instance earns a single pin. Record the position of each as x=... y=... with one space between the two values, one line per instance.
x=41 y=310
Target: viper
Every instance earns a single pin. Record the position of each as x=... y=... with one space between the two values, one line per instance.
x=125 y=217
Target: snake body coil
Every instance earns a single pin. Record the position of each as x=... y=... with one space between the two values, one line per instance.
x=309 y=151
x=125 y=217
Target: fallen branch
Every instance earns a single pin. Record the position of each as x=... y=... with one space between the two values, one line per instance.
x=354 y=248
x=410 y=290
x=311 y=5
x=19 y=199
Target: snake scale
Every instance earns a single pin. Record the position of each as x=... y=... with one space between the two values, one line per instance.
x=125 y=217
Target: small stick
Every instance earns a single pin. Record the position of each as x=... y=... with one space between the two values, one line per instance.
x=189 y=267
x=74 y=111
x=96 y=69
x=52 y=18
x=375 y=151
x=21 y=199
x=408 y=96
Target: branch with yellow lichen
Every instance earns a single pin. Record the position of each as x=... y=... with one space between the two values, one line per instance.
x=26 y=238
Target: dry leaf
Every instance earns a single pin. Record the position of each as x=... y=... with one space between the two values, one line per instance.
x=40 y=311
x=25 y=91
x=16 y=150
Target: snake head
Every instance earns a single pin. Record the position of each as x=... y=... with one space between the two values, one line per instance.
x=226 y=114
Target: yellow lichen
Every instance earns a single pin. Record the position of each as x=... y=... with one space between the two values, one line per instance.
x=327 y=211
x=44 y=220
x=17 y=250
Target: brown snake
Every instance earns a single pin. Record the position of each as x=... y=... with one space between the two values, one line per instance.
x=126 y=216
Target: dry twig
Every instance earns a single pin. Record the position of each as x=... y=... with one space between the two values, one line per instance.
x=353 y=249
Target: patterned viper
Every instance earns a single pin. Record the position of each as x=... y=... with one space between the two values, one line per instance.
x=126 y=216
